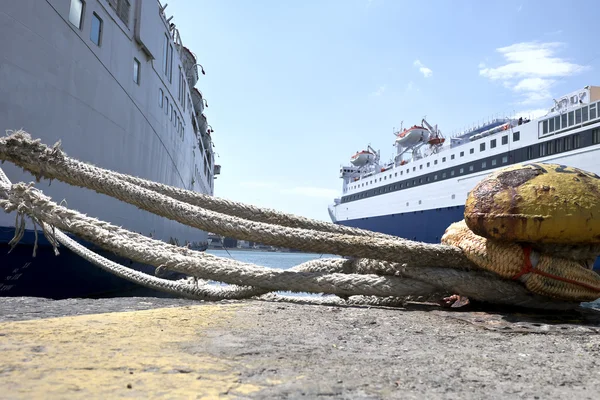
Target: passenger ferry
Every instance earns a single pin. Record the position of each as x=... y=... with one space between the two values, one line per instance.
x=420 y=192
x=113 y=81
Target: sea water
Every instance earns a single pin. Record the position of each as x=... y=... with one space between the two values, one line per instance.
x=271 y=259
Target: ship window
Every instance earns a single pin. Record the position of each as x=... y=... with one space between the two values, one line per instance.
x=452 y=157
x=545 y=127
x=462 y=153
x=482 y=147
x=76 y=13
x=460 y=171
x=504 y=159
x=420 y=180
x=563 y=121
x=593 y=111
x=550 y=125
x=443 y=159
x=578 y=116
x=421 y=166
x=576 y=141
x=428 y=164
x=136 y=71
x=427 y=179
x=505 y=139
x=96 y=30
x=443 y=175
x=414 y=182
x=414 y=169
x=470 y=168
x=121 y=7
x=529 y=153
x=584 y=114
x=160 y=98
x=435 y=162
x=435 y=177
x=395 y=174
x=556 y=123
x=484 y=164
x=401 y=185
x=558 y=145
x=567 y=142
x=166 y=54
x=166 y=105
x=384 y=178
x=452 y=173
x=471 y=151
x=493 y=162
x=542 y=150
x=171 y=111
x=571 y=118
x=595 y=136
x=516 y=136
x=492 y=143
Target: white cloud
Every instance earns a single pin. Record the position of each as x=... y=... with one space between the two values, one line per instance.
x=423 y=69
x=481 y=65
x=379 y=91
x=530 y=68
x=310 y=191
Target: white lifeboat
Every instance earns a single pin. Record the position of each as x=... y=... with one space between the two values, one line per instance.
x=412 y=136
x=362 y=158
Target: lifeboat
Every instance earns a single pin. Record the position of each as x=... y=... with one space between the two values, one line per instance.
x=197 y=101
x=412 y=136
x=435 y=141
x=189 y=65
x=362 y=158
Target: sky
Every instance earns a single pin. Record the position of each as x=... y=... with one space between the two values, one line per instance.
x=294 y=88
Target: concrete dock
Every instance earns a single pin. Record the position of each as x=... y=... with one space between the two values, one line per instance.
x=166 y=348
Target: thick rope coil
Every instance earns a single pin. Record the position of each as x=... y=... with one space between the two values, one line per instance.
x=389 y=267
x=543 y=274
x=52 y=163
x=153 y=252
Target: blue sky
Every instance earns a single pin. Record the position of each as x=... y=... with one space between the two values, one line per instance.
x=294 y=88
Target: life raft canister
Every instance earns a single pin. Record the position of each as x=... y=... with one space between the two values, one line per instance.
x=536 y=202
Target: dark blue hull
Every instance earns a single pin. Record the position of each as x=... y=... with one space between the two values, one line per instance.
x=64 y=276
x=424 y=226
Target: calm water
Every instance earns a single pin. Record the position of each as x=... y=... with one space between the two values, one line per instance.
x=269 y=259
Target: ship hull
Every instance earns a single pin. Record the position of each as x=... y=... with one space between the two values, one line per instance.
x=58 y=85
x=62 y=276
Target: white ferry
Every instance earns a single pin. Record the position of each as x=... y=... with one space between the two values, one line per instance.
x=420 y=192
x=113 y=81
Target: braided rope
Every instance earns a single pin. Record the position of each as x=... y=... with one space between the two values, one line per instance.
x=387 y=269
x=52 y=163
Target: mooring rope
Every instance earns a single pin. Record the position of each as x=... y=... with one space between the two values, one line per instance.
x=384 y=270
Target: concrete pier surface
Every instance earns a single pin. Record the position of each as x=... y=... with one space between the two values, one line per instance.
x=167 y=348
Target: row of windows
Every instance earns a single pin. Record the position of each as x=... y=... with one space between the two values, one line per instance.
x=567 y=143
x=516 y=138
x=570 y=119
x=163 y=102
x=76 y=17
